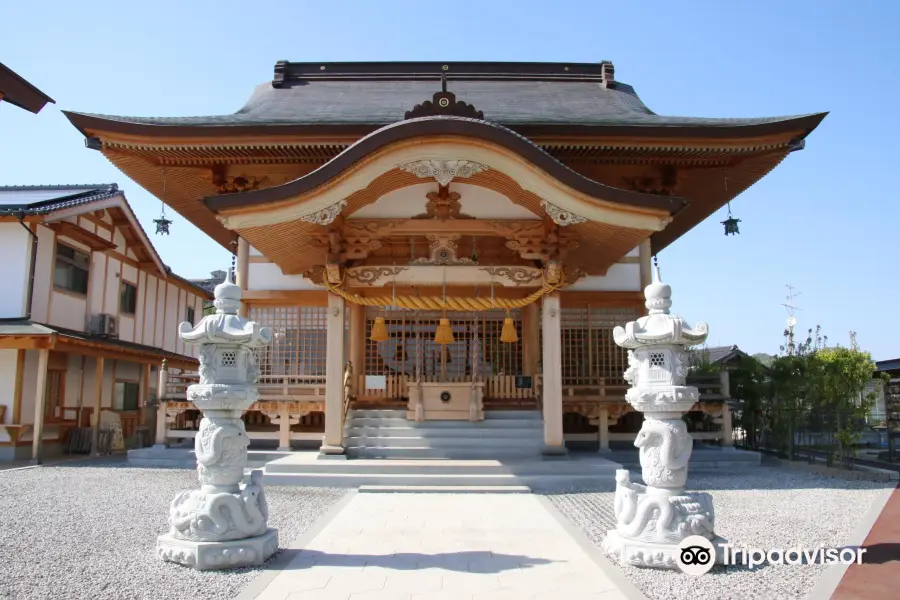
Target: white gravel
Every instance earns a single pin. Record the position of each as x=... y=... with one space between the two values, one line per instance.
x=766 y=507
x=88 y=530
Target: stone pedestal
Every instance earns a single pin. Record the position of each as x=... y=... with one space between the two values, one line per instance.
x=653 y=519
x=224 y=523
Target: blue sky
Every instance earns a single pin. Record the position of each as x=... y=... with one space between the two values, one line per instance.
x=824 y=221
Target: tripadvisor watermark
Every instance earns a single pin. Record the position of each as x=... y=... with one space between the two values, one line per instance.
x=697 y=555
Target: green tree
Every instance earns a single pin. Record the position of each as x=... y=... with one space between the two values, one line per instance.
x=845 y=374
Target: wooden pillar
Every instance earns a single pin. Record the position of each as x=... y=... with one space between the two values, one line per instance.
x=552 y=378
x=143 y=393
x=284 y=426
x=242 y=276
x=357 y=343
x=603 y=430
x=40 y=398
x=98 y=404
x=646 y=269
x=334 y=377
x=531 y=342
x=160 y=437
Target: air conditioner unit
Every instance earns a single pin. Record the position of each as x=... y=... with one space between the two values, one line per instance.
x=105 y=324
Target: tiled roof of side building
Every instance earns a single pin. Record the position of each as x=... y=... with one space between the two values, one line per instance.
x=381 y=93
x=42 y=199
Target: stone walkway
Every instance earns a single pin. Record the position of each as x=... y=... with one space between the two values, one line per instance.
x=444 y=546
x=878 y=577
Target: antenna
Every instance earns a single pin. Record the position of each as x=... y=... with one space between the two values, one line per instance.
x=792 y=319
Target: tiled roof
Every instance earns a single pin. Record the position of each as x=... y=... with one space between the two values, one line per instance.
x=714 y=354
x=42 y=199
x=541 y=94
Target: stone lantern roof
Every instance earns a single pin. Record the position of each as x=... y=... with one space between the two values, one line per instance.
x=226 y=326
x=659 y=327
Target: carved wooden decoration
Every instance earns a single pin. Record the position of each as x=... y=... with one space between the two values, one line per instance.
x=233 y=185
x=442 y=205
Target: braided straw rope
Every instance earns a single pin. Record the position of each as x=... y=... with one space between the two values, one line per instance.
x=451 y=303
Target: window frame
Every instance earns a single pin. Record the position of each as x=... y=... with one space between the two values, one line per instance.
x=190 y=314
x=123 y=310
x=72 y=264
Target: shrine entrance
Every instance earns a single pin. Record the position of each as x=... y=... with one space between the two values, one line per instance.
x=454 y=380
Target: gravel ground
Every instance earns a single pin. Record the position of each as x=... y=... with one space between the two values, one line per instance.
x=764 y=508
x=88 y=530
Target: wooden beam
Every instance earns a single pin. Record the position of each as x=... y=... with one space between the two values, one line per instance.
x=27 y=342
x=97 y=221
x=97 y=349
x=81 y=235
x=300 y=297
x=40 y=398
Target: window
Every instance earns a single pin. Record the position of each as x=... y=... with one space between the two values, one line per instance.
x=189 y=316
x=128 y=298
x=126 y=396
x=71 y=270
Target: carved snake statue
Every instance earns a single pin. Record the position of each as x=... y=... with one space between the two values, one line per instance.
x=197 y=516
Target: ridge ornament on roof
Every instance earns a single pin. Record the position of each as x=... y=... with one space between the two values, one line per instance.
x=444 y=103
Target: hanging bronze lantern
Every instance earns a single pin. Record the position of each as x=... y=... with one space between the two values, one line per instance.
x=162 y=223
x=731 y=225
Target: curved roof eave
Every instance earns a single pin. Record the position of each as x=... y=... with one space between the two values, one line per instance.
x=452 y=126
x=231 y=125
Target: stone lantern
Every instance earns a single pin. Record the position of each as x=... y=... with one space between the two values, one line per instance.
x=653 y=519
x=224 y=523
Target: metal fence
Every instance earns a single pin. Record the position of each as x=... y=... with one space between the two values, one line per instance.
x=831 y=435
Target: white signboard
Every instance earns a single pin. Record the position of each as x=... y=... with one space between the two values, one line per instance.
x=376 y=382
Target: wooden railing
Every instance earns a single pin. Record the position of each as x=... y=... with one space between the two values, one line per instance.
x=271 y=387
x=496 y=387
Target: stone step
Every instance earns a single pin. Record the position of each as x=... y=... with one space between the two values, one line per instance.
x=377 y=413
x=487 y=452
x=443 y=432
x=354 y=421
x=303 y=463
x=525 y=441
x=184 y=458
x=354 y=480
x=444 y=489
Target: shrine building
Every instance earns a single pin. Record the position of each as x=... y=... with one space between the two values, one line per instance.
x=465 y=235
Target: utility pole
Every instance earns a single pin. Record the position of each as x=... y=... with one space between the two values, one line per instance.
x=792 y=319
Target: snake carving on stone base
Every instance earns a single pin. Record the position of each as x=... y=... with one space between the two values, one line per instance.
x=199 y=516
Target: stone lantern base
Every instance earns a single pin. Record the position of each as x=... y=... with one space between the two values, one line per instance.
x=637 y=553
x=248 y=552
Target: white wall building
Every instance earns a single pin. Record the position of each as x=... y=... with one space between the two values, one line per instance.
x=87 y=314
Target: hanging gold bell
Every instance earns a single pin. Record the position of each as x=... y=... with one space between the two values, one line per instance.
x=379 y=331
x=508 y=334
x=444 y=333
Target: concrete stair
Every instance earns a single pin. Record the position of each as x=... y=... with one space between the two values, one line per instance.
x=388 y=434
x=517 y=475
